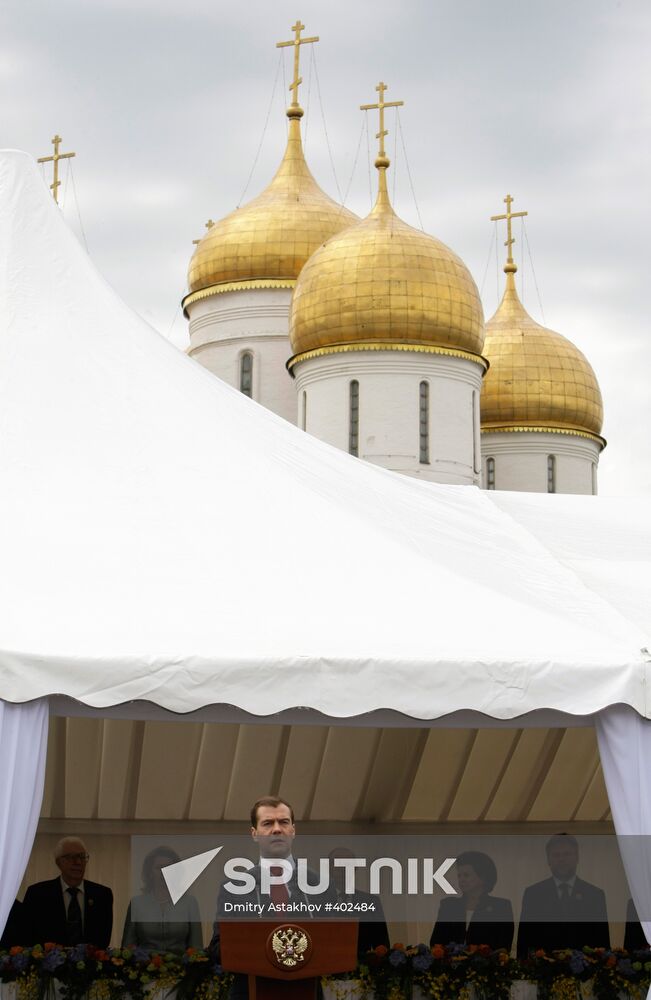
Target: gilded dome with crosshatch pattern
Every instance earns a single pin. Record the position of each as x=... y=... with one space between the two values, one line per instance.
x=381 y=282
x=272 y=236
x=537 y=378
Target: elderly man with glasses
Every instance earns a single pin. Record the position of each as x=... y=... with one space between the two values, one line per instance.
x=69 y=909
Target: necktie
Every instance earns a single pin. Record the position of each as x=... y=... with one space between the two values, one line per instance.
x=564 y=892
x=73 y=920
x=279 y=891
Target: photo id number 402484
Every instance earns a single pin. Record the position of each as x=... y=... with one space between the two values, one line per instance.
x=344 y=906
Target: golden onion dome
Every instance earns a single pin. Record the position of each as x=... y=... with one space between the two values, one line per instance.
x=382 y=284
x=537 y=380
x=267 y=242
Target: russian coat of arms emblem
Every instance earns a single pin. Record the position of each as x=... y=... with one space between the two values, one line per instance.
x=290 y=947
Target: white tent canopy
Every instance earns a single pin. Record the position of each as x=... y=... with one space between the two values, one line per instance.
x=165 y=539
x=167 y=542
x=606 y=543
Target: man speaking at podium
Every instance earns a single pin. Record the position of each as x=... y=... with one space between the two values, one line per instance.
x=274 y=889
x=273 y=830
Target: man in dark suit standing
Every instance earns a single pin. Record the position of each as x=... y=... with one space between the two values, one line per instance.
x=562 y=911
x=273 y=830
x=69 y=909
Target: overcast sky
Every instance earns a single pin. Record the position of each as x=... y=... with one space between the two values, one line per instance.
x=165 y=105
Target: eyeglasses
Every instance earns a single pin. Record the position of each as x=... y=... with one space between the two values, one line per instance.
x=74 y=857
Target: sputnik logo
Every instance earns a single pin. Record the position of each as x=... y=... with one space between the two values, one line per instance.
x=420 y=876
x=182 y=874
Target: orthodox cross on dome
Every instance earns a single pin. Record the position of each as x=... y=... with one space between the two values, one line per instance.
x=509 y=235
x=209 y=225
x=382 y=160
x=297 y=41
x=54 y=186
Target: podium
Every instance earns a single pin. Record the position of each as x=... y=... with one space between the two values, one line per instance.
x=285 y=961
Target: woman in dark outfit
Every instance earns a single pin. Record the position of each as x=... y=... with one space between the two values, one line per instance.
x=475 y=917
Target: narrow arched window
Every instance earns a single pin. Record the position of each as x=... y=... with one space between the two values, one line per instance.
x=353 y=419
x=490 y=473
x=304 y=411
x=594 y=478
x=423 y=423
x=246 y=374
x=551 y=473
x=476 y=449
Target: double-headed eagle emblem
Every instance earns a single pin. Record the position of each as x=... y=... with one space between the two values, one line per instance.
x=289 y=945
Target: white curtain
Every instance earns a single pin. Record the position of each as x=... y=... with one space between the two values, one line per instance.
x=23 y=746
x=625 y=748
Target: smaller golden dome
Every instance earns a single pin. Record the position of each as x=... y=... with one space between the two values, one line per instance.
x=537 y=380
x=381 y=282
x=272 y=236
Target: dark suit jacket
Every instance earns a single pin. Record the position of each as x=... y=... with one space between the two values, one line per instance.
x=549 y=923
x=240 y=988
x=14 y=932
x=371 y=932
x=491 y=924
x=45 y=913
x=634 y=939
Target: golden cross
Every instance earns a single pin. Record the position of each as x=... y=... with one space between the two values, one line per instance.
x=380 y=106
x=209 y=225
x=508 y=216
x=297 y=41
x=56 y=142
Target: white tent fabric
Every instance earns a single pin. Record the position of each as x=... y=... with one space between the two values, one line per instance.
x=625 y=751
x=166 y=539
x=23 y=745
x=604 y=541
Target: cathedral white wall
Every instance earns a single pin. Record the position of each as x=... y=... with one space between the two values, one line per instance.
x=389 y=410
x=521 y=461
x=224 y=326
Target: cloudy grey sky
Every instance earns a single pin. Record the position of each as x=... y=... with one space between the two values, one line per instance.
x=165 y=104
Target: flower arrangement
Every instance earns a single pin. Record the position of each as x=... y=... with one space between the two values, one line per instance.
x=458 y=972
x=438 y=972
x=111 y=974
x=455 y=972
x=609 y=971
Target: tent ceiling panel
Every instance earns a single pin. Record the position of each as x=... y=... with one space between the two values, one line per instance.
x=441 y=768
x=392 y=775
x=84 y=741
x=483 y=770
x=595 y=801
x=213 y=774
x=568 y=777
x=122 y=741
x=528 y=762
x=259 y=755
x=302 y=766
x=54 y=789
x=146 y=773
x=347 y=761
x=164 y=791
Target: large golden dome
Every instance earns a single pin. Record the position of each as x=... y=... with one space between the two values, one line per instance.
x=382 y=283
x=268 y=241
x=537 y=380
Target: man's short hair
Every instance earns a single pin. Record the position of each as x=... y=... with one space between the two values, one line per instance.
x=273 y=802
x=59 y=847
x=562 y=840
